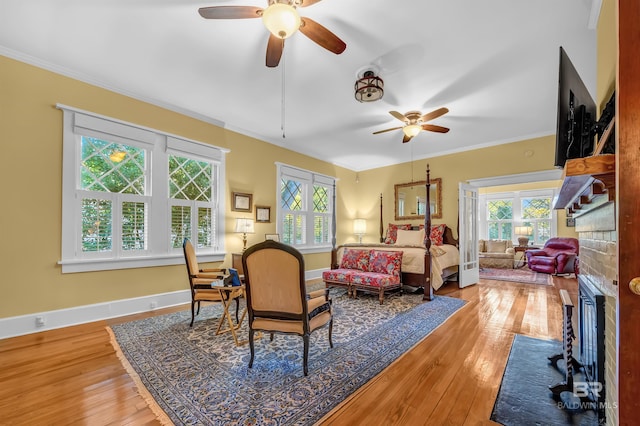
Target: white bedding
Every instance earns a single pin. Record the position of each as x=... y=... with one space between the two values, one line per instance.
x=442 y=257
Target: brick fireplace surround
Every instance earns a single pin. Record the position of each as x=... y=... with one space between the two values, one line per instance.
x=598 y=264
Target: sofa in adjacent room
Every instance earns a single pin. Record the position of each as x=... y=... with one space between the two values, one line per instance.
x=496 y=254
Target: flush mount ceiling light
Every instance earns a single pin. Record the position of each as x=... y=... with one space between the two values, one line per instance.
x=369 y=87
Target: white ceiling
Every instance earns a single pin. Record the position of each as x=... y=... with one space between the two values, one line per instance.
x=493 y=63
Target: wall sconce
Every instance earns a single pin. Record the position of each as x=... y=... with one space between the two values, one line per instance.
x=359 y=228
x=524 y=232
x=244 y=226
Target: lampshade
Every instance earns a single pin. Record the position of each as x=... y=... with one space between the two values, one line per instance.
x=244 y=226
x=369 y=87
x=359 y=226
x=523 y=230
x=282 y=20
x=412 y=129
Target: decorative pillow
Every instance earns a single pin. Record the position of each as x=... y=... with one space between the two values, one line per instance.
x=410 y=238
x=385 y=262
x=496 y=246
x=355 y=259
x=392 y=232
x=437 y=234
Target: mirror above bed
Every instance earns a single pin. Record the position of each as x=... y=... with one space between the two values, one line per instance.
x=410 y=199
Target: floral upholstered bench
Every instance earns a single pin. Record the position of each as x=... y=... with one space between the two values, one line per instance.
x=367 y=270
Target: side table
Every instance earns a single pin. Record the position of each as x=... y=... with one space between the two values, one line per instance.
x=523 y=258
x=227 y=294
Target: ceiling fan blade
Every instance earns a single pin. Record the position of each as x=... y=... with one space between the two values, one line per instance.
x=406 y=138
x=434 y=128
x=230 y=12
x=399 y=116
x=322 y=36
x=435 y=114
x=275 y=46
x=386 y=130
x=306 y=3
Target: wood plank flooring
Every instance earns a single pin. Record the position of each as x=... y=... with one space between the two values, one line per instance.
x=73 y=376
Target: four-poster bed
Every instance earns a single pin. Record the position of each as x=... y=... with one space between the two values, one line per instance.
x=427 y=265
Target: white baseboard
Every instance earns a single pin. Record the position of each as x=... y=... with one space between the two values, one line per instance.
x=30 y=323
x=51 y=320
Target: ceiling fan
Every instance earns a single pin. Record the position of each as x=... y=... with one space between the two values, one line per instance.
x=415 y=122
x=282 y=20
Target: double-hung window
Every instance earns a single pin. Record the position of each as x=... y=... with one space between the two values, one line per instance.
x=132 y=194
x=501 y=212
x=305 y=208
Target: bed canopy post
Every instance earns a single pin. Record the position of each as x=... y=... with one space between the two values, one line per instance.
x=381 y=224
x=428 y=288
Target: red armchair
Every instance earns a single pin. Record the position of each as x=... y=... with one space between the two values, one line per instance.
x=558 y=256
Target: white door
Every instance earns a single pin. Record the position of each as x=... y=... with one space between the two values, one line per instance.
x=469 y=270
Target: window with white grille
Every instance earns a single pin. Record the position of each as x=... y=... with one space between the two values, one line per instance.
x=132 y=194
x=305 y=208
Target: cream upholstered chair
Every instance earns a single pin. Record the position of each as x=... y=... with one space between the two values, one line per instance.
x=200 y=282
x=276 y=295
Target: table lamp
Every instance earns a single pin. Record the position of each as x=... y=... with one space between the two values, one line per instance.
x=524 y=232
x=359 y=228
x=244 y=226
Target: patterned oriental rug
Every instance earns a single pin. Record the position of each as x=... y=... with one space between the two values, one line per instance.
x=516 y=275
x=196 y=377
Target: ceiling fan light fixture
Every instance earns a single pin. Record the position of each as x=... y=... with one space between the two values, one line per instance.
x=411 y=130
x=369 y=87
x=281 y=19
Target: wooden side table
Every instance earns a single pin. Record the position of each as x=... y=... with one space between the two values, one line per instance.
x=523 y=249
x=227 y=294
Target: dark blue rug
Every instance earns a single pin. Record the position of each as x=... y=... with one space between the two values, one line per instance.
x=524 y=397
x=196 y=377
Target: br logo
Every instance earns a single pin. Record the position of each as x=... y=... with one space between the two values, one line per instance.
x=583 y=389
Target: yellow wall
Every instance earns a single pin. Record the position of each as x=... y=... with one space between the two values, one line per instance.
x=31 y=173
x=32 y=133
x=607 y=41
x=531 y=155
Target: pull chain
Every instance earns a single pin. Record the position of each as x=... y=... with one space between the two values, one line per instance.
x=282 y=112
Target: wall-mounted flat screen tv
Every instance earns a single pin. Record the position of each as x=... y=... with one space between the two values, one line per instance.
x=576 y=115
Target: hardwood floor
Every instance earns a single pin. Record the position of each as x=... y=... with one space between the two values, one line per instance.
x=73 y=376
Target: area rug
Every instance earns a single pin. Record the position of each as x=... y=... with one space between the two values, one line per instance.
x=197 y=377
x=524 y=397
x=516 y=275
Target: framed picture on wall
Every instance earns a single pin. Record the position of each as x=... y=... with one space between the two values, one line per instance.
x=241 y=202
x=263 y=214
x=571 y=222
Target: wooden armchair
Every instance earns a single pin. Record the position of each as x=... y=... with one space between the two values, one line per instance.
x=276 y=295
x=200 y=280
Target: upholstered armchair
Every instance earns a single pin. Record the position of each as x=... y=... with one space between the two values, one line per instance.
x=496 y=254
x=277 y=300
x=558 y=256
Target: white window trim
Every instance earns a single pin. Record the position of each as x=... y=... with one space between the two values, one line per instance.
x=311 y=178
x=517 y=197
x=160 y=145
